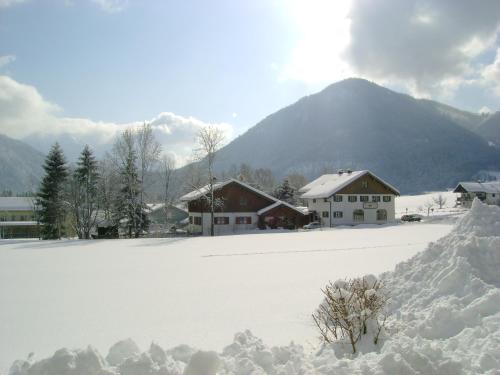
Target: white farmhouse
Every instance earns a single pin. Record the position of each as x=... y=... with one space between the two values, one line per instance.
x=350 y=198
x=486 y=192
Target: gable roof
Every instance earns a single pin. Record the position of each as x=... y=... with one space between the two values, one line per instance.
x=195 y=194
x=478 y=187
x=328 y=184
x=16 y=203
x=300 y=210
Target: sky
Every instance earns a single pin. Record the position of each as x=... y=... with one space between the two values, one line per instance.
x=83 y=70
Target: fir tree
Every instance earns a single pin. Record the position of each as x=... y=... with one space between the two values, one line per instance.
x=50 y=198
x=84 y=193
x=129 y=211
x=285 y=192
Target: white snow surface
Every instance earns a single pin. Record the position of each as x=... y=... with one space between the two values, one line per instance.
x=196 y=291
x=445 y=319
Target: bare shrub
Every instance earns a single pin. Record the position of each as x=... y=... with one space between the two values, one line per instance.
x=352 y=308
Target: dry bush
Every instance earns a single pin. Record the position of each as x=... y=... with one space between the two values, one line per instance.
x=352 y=308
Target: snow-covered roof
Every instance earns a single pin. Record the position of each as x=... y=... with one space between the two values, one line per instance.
x=195 y=194
x=17 y=223
x=479 y=187
x=16 y=203
x=205 y=189
x=328 y=184
x=301 y=210
x=156 y=206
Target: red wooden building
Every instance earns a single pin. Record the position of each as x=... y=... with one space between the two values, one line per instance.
x=240 y=207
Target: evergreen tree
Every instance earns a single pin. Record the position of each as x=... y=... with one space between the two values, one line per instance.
x=129 y=211
x=50 y=198
x=285 y=192
x=84 y=200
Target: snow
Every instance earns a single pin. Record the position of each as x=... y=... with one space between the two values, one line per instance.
x=416 y=204
x=16 y=203
x=194 y=291
x=480 y=187
x=444 y=306
x=328 y=184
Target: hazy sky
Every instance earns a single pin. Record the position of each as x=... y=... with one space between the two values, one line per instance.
x=87 y=68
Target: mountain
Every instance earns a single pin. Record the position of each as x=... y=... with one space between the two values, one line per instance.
x=467 y=120
x=416 y=145
x=489 y=129
x=20 y=166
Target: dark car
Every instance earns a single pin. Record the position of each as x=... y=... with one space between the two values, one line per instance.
x=412 y=217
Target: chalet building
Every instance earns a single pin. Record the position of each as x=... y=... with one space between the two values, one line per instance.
x=350 y=198
x=486 y=192
x=17 y=218
x=240 y=207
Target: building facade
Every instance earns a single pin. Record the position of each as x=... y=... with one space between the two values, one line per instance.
x=350 y=198
x=239 y=208
x=486 y=192
x=17 y=218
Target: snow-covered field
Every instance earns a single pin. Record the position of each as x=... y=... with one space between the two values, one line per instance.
x=196 y=291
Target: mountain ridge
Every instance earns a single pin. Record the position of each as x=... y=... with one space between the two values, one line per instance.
x=360 y=125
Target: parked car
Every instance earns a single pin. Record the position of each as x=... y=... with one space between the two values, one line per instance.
x=313 y=225
x=411 y=217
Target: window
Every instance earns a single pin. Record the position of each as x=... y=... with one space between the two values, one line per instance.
x=197 y=220
x=325 y=199
x=358 y=215
x=243 y=220
x=352 y=198
x=190 y=220
x=363 y=198
x=382 y=215
x=364 y=184
x=243 y=201
x=338 y=214
x=324 y=214
x=314 y=200
x=375 y=198
x=221 y=220
x=387 y=198
x=337 y=198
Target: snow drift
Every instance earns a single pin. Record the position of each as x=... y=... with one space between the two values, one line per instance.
x=445 y=319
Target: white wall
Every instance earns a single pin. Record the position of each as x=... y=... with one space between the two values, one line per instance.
x=348 y=209
x=219 y=229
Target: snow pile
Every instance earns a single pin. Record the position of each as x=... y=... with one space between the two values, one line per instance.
x=445 y=319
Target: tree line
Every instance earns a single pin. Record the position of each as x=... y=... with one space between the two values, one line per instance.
x=114 y=191
x=72 y=199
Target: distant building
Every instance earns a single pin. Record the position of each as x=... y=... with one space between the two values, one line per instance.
x=350 y=198
x=487 y=192
x=240 y=207
x=163 y=219
x=17 y=218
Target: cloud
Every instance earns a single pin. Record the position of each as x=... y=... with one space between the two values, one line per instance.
x=6 y=60
x=485 y=110
x=8 y=3
x=430 y=45
x=491 y=74
x=111 y=6
x=323 y=36
x=24 y=113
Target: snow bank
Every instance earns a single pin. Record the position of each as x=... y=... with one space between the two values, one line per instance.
x=445 y=319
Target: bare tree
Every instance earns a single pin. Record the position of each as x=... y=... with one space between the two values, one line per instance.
x=148 y=153
x=107 y=185
x=210 y=139
x=167 y=166
x=352 y=308
x=429 y=206
x=440 y=200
